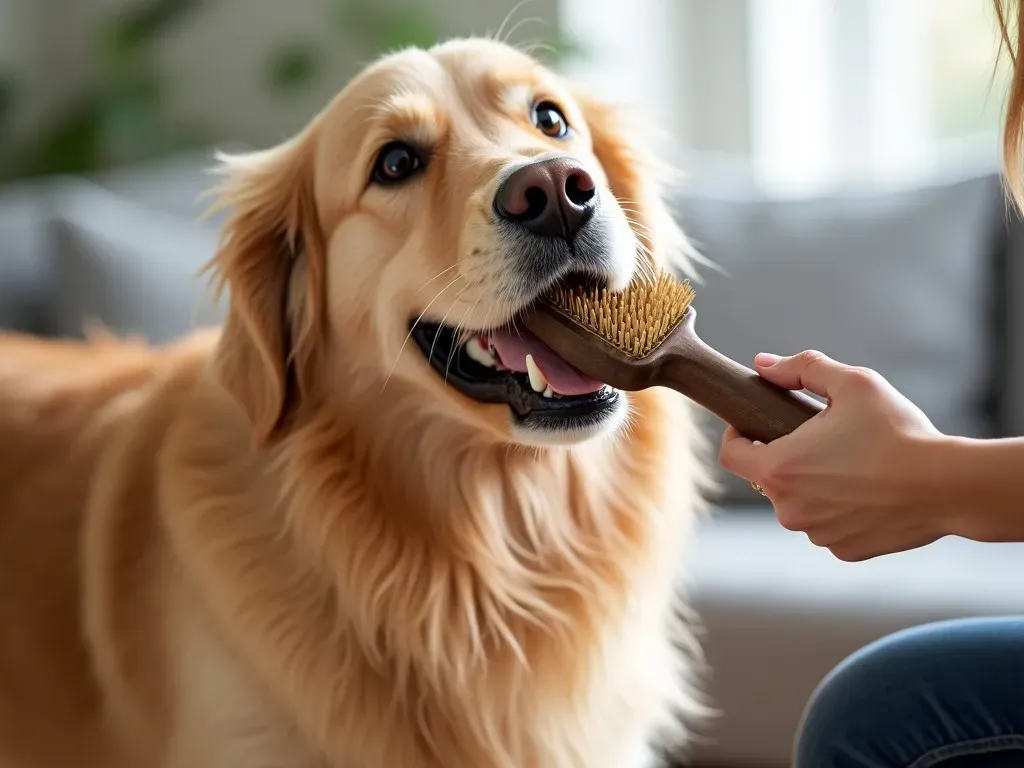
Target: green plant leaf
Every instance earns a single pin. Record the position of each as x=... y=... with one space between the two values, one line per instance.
x=132 y=118
x=133 y=28
x=402 y=29
x=69 y=145
x=383 y=29
x=292 y=67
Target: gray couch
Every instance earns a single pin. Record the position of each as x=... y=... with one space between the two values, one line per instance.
x=916 y=283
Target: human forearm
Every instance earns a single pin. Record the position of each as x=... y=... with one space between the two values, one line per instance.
x=871 y=475
x=977 y=486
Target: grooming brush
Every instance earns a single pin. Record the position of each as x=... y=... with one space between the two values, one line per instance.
x=644 y=337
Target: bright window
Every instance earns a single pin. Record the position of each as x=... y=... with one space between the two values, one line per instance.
x=960 y=38
x=806 y=95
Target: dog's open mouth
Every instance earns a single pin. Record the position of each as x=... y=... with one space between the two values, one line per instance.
x=514 y=367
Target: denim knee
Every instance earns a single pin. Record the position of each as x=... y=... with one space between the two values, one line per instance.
x=919 y=697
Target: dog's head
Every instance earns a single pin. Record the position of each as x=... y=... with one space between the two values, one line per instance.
x=386 y=251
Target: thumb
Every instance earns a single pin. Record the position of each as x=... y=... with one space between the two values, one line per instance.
x=810 y=370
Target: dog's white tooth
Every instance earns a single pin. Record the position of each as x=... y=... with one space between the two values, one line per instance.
x=537 y=380
x=478 y=354
x=548 y=391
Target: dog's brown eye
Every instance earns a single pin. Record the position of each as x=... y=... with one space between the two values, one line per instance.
x=396 y=162
x=549 y=118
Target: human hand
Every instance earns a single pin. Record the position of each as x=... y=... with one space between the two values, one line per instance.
x=854 y=478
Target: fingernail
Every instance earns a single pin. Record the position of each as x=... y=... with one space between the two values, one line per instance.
x=766 y=360
x=758 y=442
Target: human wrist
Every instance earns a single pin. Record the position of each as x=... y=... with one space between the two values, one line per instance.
x=943 y=487
x=973 y=487
x=930 y=486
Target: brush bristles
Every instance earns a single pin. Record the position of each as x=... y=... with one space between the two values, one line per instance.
x=635 y=321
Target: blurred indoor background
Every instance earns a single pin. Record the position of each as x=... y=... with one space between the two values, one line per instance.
x=801 y=94
x=841 y=167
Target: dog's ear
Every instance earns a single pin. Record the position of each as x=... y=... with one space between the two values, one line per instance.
x=639 y=181
x=271 y=262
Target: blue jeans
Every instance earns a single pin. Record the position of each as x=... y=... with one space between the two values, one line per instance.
x=946 y=695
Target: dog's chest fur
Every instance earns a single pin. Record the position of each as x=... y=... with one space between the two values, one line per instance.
x=528 y=624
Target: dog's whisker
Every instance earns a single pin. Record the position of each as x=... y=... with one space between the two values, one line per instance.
x=531 y=48
x=646 y=262
x=635 y=213
x=435 y=277
x=638 y=225
x=649 y=272
x=643 y=273
x=415 y=323
x=515 y=328
x=444 y=320
x=458 y=332
x=644 y=250
x=451 y=353
x=643 y=239
x=515 y=27
x=648 y=266
x=499 y=36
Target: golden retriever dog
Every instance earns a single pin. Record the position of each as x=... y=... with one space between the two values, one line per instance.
x=370 y=522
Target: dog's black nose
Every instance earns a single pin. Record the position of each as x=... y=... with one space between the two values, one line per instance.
x=553 y=197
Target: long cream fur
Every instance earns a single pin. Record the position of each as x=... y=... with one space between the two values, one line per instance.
x=274 y=546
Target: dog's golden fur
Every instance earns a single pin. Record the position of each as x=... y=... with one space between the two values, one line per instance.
x=270 y=547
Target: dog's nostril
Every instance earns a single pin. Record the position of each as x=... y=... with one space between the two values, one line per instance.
x=536 y=202
x=579 y=188
x=551 y=198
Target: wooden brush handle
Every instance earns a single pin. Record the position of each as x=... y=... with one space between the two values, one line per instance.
x=758 y=409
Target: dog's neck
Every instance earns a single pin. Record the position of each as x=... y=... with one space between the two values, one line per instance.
x=455 y=569
x=439 y=470
x=517 y=519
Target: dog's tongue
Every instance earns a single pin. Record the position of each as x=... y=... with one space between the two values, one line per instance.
x=514 y=345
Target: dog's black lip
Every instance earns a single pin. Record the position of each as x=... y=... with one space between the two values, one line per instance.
x=440 y=345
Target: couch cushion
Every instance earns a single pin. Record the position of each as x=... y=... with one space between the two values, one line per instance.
x=900 y=282
x=130 y=267
x=176 y=185
x=778 y=613
x=25 y=274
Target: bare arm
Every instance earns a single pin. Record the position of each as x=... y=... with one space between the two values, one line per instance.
x=980 y=485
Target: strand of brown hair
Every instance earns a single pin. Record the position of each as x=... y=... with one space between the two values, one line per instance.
x=1010 y=17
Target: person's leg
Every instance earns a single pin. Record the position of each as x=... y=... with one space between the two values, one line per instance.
x=947 y=695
